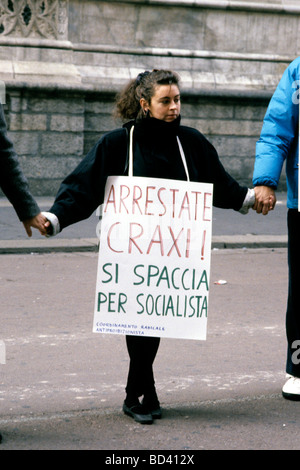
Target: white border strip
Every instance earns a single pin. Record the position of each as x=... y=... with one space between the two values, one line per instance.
x=231 y=5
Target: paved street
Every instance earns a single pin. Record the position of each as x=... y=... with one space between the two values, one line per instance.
x=62 y=386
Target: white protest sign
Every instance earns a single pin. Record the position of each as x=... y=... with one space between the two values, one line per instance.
x=154 y=258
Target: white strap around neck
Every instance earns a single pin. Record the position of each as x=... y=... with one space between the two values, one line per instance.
x=130 y=171
x=183 y=159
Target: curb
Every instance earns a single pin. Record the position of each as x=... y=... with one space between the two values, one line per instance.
x=8 y=247
x=249 y=241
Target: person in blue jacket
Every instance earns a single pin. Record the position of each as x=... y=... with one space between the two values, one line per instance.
x=279 y=143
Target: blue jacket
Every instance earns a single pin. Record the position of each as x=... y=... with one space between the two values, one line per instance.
x=279 y=137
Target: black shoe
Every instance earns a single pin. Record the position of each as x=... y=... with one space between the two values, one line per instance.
x=156 y=413
x=153 y=407
x=139 y=413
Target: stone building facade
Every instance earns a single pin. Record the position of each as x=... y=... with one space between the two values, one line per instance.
x=62 y=62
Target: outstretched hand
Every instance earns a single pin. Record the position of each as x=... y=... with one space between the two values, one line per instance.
x=39 y=222
x=265 y=199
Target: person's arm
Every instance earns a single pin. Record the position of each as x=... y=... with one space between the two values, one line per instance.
x=14 y=184
x=12 y=180
x=82 y=191
x=227 y=193
x=249 y=201
x=278 y=133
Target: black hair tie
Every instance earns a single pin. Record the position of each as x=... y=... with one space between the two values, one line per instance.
x=140 y=76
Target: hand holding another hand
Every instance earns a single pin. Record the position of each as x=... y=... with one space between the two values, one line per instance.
x=265 y=199
x=40 y=222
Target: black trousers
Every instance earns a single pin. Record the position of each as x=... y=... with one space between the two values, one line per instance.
x=142 y=352
x=293 y=303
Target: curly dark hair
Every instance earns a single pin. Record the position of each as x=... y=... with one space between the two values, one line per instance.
x=143 y=86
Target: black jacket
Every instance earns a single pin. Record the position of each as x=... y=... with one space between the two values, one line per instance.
x=12 y=181
x=156 y=154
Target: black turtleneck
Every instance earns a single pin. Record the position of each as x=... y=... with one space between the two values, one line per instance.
x=155 y=149
x=156 y=155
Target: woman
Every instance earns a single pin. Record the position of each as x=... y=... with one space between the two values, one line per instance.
x=151 y=103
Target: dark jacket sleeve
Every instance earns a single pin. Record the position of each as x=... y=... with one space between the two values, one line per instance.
x=228 y=193
x=82 y=191
x=12 y=180
x=207 y=168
